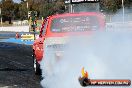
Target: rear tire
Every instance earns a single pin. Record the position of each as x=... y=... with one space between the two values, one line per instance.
x=36 y=66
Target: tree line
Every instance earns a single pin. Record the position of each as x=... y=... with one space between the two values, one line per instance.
x=19 y=11
x=16 y=11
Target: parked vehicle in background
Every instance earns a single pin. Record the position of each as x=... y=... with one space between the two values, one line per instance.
x=56 y=28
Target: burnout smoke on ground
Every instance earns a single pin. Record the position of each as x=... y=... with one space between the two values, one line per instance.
x=105 y=55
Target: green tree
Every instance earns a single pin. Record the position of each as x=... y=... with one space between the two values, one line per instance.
x=109 y=6
x=7 y=7
x=49 y=8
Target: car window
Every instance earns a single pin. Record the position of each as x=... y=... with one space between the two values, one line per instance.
x=75 y=24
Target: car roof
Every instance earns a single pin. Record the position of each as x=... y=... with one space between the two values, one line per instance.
x=77 y=14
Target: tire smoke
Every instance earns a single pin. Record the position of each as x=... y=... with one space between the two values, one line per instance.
x=105 y=55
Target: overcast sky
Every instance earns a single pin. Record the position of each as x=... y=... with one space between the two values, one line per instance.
x=17 y=1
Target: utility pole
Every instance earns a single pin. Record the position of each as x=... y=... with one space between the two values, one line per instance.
x=71 y=8
x=27 y=5
x=27 y=8
x=123 y=11
x=0 y=17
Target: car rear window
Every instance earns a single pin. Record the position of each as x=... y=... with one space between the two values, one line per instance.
x=74 y=24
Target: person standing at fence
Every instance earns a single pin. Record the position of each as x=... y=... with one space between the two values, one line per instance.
x=17 y=35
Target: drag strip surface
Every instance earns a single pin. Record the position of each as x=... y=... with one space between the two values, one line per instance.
x=16 y=67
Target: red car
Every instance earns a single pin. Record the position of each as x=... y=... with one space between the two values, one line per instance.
x=56 y=27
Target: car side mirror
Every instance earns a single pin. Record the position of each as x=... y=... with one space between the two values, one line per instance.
x=40 y=34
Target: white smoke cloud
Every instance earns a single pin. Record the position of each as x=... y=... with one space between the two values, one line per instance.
x=105 y=55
